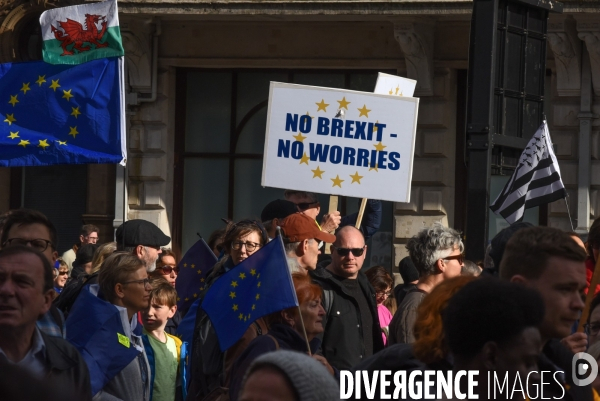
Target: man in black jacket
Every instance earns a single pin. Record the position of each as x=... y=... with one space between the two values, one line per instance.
x=25 y=294
x=351 y=323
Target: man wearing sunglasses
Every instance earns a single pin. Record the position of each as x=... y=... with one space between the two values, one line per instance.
x=436 y=252
x=351 y=323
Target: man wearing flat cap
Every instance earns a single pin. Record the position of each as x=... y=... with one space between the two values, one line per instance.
x=275 y=211
x=143 y=239
x=303 y=239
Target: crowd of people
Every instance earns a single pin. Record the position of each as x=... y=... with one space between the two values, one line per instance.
x=101 y=322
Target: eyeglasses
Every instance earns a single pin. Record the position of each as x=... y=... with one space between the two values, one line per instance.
x=591 y=329
x=250 y=246
x=459 y=258
x=92 y=239
x=318 y=241
x=63 y=273
x=145 y=282
x=384 y=293
x=39 y=244
x=346 y=251
x=302 y=206
x=167 y=269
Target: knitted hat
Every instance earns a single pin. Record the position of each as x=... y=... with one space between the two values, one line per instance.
x=408 y=270
x=310 y=379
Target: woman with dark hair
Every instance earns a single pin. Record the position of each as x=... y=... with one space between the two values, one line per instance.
x=215 y=241
x=382 y=282
x=166 y=267
x=287 y=331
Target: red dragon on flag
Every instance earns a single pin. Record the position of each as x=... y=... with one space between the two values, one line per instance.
x=75 y=34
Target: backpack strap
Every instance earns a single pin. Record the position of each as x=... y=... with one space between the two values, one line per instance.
x=274 y=340
x=327 y=301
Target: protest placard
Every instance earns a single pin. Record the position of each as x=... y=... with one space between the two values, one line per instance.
x=394 y=85
x=339 y=142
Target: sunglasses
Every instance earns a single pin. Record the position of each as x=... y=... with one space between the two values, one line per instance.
x=167 y=269
x=346 y=251
x=459 y=258
x=63 y=273
x=306 y=205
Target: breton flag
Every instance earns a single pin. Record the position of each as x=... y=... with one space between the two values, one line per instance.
x=536 y=179
x=81 y=33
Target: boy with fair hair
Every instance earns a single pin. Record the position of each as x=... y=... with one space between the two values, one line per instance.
x=163 y=350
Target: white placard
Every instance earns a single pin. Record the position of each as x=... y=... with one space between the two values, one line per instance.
x=394 y=85
x=340 y=142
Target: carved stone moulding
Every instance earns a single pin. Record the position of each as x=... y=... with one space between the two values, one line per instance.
x=588 y=29
x=566 y=47
x=18 y=24
x=416 y=40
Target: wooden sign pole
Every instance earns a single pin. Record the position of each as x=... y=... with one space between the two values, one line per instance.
x=590 y=295
x=361 y=212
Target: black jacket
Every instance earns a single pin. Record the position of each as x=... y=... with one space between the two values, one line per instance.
x=280 y=336
x=66 y=367
x=343 y=344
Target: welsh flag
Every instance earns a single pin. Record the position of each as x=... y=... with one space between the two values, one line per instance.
x=81 y=33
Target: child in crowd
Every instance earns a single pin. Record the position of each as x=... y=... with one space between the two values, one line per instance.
x=164 y=351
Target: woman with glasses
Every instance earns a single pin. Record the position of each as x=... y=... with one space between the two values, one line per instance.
x=382 y=282
x=241 y=240
x=166 y=267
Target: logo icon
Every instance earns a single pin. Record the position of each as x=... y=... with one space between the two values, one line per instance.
x=584 y=369
x=75 y=35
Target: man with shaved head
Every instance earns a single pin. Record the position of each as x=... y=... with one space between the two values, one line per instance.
x=351 y=323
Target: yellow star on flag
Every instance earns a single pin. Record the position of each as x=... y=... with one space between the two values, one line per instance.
x=54 y=85
x=43 y=143
x=343 y=103
x=304 y=159
x=299 y=137
x=75 y=111
x=356 y=178
x=67 y=94
x=73 y=131
x=24 y=142
x=202 y=280
x=242 y=275
x=235 y=307
x=41 y=79
x=199 y=272
x=257 y=297
x=258 y=285
x=193 y=266
x=185 y=265
x=337 y=181
x=253 y=272
x=13 y=135
x=62 y=143
x=234 y=284
x=10 y=118
x=253 y=306
x=318 y=173
x=25 y=87
x=195 y=295
x=241 y=316
x=380 y=146
x=364 y=111
x=232 y=294
x=322 y=105
x=13 y=100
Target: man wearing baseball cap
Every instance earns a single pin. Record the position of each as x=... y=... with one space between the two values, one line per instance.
x=143 y=239
x=303 y=238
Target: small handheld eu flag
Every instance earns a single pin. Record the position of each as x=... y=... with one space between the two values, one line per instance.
x=259 y=285
x=193 y=269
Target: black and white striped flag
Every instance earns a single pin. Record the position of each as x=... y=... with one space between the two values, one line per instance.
x=536 y=179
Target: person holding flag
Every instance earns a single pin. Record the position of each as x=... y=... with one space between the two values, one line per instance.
x=208 y=362
x=290 y=329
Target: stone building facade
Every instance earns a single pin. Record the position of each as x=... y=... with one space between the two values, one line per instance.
x=197 y=70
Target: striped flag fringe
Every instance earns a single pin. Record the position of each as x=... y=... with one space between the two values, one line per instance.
x=536 y=180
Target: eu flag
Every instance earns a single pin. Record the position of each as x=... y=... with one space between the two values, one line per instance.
x=94 y=327
x=260 y=285
x=61 y=114
x=193 y=269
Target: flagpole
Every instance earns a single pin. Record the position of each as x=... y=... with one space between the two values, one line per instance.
x=292 y=283
x=569 y=212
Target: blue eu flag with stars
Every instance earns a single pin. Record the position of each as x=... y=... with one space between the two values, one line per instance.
x=61 y=114
x=193 y=269
x=256 y=287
